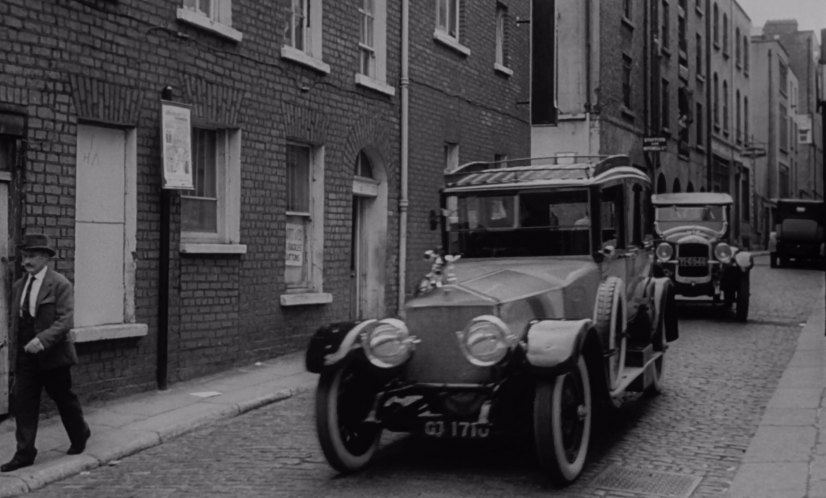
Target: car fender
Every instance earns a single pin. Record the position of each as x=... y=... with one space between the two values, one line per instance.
x=744 y=260
x=662 y=289
x=331 y=343
x=554 y=346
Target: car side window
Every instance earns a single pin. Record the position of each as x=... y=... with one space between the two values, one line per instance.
x=612 y=217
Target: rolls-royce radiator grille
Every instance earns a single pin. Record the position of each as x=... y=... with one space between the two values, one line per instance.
x=437 y=357
x=692 y=260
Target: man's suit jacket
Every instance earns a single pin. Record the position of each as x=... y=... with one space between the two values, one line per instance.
x=53 y=320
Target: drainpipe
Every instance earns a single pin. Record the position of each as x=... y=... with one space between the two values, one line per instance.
x=588 y=47
x=710 y=89
x=405 y=83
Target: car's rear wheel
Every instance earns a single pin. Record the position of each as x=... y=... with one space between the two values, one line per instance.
x=344 y=398
x=562 y=416
x=743 y=298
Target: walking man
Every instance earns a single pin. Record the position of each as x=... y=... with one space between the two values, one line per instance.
x=42 y=316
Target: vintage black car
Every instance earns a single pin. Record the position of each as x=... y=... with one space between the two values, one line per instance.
x=695 y=248
x=798 y=233
x=542 y=308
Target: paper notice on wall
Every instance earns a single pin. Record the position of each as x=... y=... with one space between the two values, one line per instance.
x=295 y=245
x=176 y=132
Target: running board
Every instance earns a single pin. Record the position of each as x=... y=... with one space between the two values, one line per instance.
x=632 y=373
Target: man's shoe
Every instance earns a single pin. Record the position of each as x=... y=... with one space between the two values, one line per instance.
x=80 y=446
x=14 y=464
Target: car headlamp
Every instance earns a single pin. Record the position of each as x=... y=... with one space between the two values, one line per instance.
x=486 y=340
x=723 y=252
x=664 y=251
x=388 y=344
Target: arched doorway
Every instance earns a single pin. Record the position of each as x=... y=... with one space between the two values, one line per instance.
x=690 y=187
x=676 y=187
x=661 y=186
x=368 y=240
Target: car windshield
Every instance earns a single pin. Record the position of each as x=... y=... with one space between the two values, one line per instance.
x=551 y=223
x=711 y=217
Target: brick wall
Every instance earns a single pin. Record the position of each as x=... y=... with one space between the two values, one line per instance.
x=105 y=63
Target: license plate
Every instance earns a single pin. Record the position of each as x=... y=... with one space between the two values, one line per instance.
x=693 y=261
x=458 y=429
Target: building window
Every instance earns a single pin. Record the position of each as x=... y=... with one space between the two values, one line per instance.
x=367 y=44
x=716 y=103
x=305 y=215
x=501 y=35
x=725 y=107
x=303 y=34
x=211 y=212
x=783 y=186
x=665 y=110
x=699 y=132
x=373 y=46
x=626 y=81
x=698 y=55
x=665 y=26
x=783 y=130
x=737 y=51
x=737 y=119
x=746 y=54
x=725 y=34
x=784 y=78
x=745 y=198
x=746 y=120
x=211 y=15
x=451 y=156
x=684 y=109
x=715 y=20
x=447 y=17
x=682 y=34
x=626 y=9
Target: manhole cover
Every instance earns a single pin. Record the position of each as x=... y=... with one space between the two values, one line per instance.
x=647 y=481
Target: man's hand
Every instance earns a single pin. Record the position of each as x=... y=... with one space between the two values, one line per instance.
x=33 y=346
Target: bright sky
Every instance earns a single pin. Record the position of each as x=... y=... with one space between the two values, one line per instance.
x=810 y=14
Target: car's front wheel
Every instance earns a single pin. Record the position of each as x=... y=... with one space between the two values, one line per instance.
x=562 y=416
x=344 y=398
x=743 y=298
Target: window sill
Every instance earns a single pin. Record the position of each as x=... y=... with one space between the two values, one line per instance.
x=628 y=23
x=451 y=42
x=202 y=248
x=109 y=332
x=379 y=86
x=295 y=55
x=701 y=78
x=665 y=51
x=201 y=21
x=499 y=68
x=716 y=45
x=307 y=298
x=627 y=113
x=700 y=148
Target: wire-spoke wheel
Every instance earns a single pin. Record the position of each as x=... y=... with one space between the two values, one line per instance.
x=562 y=417
x=344 y=399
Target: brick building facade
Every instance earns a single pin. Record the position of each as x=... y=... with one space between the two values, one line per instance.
x=297 y=115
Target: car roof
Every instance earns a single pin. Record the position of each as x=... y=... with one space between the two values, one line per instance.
x=798 y=201
x=559 y=171
x=691 y=198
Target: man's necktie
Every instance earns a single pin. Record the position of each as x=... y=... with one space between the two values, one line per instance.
x=27 y=290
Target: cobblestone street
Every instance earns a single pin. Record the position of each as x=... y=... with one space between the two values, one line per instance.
x=719 y=376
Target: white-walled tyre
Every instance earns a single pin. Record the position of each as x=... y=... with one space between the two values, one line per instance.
x=609 y=322
x=344 y=398
x=562 y=419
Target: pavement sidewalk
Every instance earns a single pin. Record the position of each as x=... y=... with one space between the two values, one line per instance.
x=787 y=455
x=130 y=424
